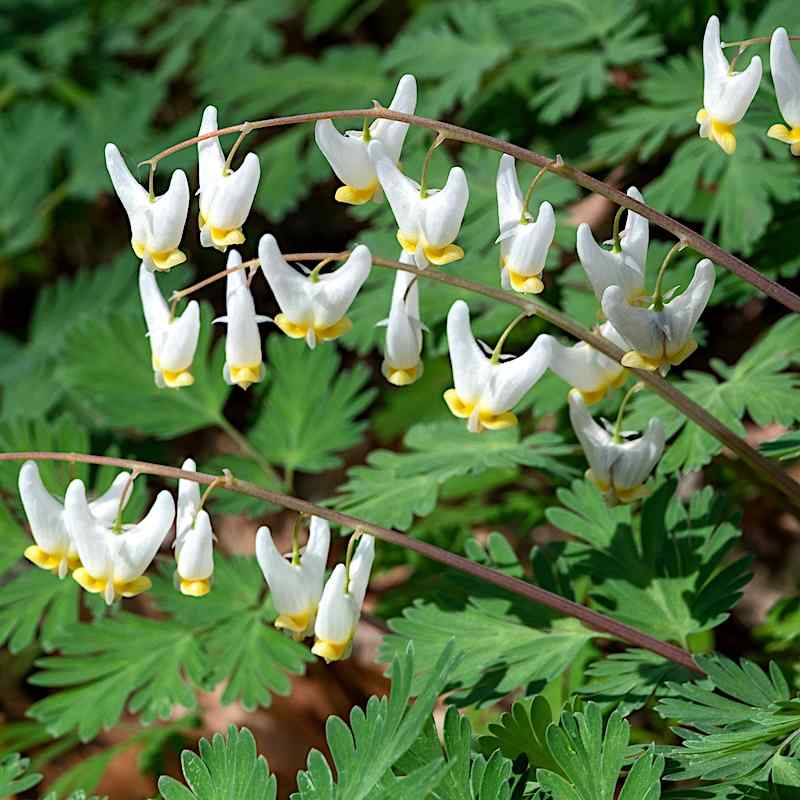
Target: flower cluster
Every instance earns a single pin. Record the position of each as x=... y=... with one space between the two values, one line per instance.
x=727 y=94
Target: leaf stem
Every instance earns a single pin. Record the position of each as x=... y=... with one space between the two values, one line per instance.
x=456 y=133
x=593 y=619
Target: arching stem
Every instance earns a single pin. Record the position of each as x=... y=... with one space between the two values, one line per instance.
x=617 y=435
x=351 y=549
x=616 y=247
x=117 y=526
x=245 y=129
x=423 y=181
x=498 y=348
x=658 y=297
x=523 y=218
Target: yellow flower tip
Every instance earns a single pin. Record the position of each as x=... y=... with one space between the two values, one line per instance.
x=245 y=375
x=87 y=582
x=592 y=396
x=42 y=558
x=296 y=623
x=683 y=353
x=121 y=588
x=635 y=360
x=296 y=330
x=354 y=196
x=226 y=237
x=630 y=495
x=330 y=651
x=198 y=588
x=701 y=116
x=443 y=255
x=177 y=379
x=456 y=405
x=138 y=248
x=401 y=377
x=525 y=284
x=407 y=243
x=498 y=422
x=134 y=587
x=167 y=260
x=291 y=329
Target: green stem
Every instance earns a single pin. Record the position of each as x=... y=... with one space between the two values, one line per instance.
x=423 y=181
x=229 y=160
x=117 y=526
x=365 y=134
x=313 y=276
x=617 y=436
x=296 y=541
x=498 y=348
x=658 y=297
x=523 y=219
x=617 y=245
x=351 y=548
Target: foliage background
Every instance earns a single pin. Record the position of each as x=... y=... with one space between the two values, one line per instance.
x=613 y=85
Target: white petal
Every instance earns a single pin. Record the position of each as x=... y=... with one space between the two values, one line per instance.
x=210 y=156
x=286 y=581
x=234 y=195
x=106 y=507
x=528 y=247
x=737 y=93
x=196 y=556
x=595 y=440
x=509 y=195
x=188 y=503
x=642 y=328
x=786 y=76
x=391 y=133
x=635 y=237
x=715 y=65
x=336 y=617
x=443 y=212
x=347 y=155
x=243 y=342
x=315 y=557
x=45 y=514
x=137 y=547
x=510 y=381
x=177 y=352
x=155 y=308
x=335 y=291
x=403 y=332
x=168 y=214
x=683 y=312
x=90 y=538
x=636 y=459
x=582 y=367
x=289 y=286
x=470 y=365
x=360 y=568
x=401 y=192
x=131 y=193
x=604 y=268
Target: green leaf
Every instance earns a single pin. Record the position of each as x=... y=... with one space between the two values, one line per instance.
x=317 y=404
x=364 y=753
x=227 y=768
x=108 y=372
x=14 y=775
x=786 y=447
x=394 y=487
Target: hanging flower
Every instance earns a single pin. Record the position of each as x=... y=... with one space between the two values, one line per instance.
x=226 y=195
x=660 y=335
x=585 y=369
x=726 y=94
x=347 y=153
x=623 y=265
x=786 y=77
x=194 y=538
x=113 y=560
x=618 y=468
x=156 y=222
x=428 y=219
x=486 y=388
x=173 y=342
x=340 y=606
x=54 y=549
x=313 y=306
x=295 y=581
x=402 y=364
x=524 y=242
x=243 y=365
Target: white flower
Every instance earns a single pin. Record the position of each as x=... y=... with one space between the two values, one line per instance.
x=313 y=307
x=172 y=341
x=617 y=468
x=194 y=538
x=226 y=196
x=347 y=154
x=113 y=562
x=726 y=94
x=401 y=362
x=428 y=225
x=54 y=549
x=624 y=268
x=295 y=583
x=340 y=606
x=585 y=369
x=660 y=336
x=524 y=242
x=486 y=390
x=243 y=343
x=156 y=224
x=786 y=77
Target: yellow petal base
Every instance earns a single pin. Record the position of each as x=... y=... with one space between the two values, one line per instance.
x=177 y=379
x=299 y=624
x=354 y=196
x=401 y=377
x=221 y=238
x=790 y=136
x=245 y=375
x=592 y=396
x=617 y=493
x=487 y=419
x=719 y=132
x=300 y=331
x=195 y=588
x=50 y=561
x=524 y=284
x=331 y=651
x=162 y=260
x=636 y=360
x=122 y=588
x=436 y=255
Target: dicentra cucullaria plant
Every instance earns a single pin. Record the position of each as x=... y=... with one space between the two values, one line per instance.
x=644 y=565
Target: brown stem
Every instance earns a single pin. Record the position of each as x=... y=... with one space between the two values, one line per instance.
x=593 y=619
x=557 y=166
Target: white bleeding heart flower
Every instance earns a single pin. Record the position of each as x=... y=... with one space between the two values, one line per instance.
x=194 y=538
x=157 y=223
x=785 y=70
x=347 y=153
x=226 y=195
x=726 y=94
x=173 y=342
x=313 y=307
